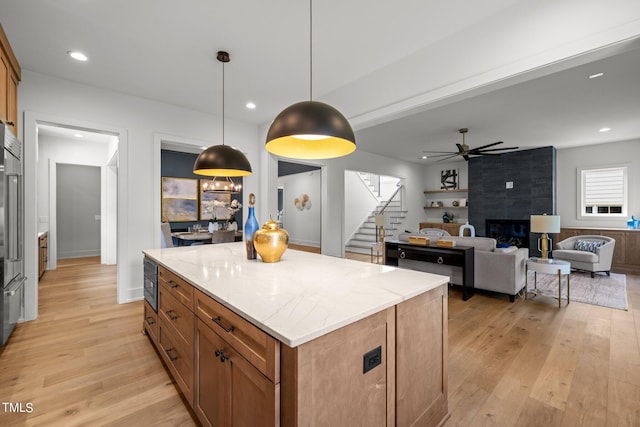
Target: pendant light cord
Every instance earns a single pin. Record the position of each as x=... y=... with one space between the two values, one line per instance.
x=223 y=103
x=310 y=50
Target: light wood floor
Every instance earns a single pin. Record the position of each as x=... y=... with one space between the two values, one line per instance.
x=84 y=361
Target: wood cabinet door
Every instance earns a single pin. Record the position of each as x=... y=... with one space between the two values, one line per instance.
x=12 y=103
x=254 y=398
x=229 y=390
x=4 y=85
x=211 y=398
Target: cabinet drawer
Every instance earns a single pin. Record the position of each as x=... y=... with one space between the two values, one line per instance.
x=177 y=286
x=178 y=358
x=150 y=322
x=258 y=347
x=175 y=315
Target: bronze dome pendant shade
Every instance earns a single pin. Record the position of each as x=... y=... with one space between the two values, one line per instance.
x=222 y=160
x=310 y=129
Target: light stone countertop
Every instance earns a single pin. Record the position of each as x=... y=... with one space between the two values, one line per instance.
x=302 y=297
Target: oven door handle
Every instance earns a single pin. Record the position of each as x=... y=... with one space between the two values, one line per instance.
x=13 y=287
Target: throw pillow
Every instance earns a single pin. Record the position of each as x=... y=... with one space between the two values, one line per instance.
x=588 y=245
x=507 y=249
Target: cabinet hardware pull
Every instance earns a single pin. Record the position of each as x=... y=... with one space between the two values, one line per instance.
x=172 y=317
x=223 y=357
x=150 y=320
x=172 y=284
x=168 y=351
x=218 y=321
x=403 y=255
x=440 y=260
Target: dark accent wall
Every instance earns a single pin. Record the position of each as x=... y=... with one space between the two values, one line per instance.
x=288 y=168
x=533 y=173
x=180 y=165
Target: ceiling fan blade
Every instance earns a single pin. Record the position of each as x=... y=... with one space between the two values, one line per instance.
x=449 y=157
x=440 y=152
x=498 y=149
x=487 y=146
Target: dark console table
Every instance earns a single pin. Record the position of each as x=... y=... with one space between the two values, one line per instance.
x=458 y=256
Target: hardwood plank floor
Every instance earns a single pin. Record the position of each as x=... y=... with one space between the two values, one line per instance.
x=84 y=361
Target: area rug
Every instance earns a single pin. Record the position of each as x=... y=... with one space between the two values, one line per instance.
x=607 y=291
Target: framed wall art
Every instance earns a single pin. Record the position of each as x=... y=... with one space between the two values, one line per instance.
x=449 y=179
x=213 y=204
x=179 y=199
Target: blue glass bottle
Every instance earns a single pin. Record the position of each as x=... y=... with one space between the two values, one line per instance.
x=250 y=227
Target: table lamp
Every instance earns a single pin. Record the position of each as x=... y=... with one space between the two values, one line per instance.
x=381 y=220
x=545 y=224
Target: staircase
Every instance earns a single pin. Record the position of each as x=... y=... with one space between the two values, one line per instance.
x=366 y=235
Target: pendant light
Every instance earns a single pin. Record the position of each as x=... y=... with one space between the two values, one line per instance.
x=222 y=160
x=310 y=129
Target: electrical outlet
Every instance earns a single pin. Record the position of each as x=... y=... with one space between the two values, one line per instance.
x=509 y=184
x=372 y=359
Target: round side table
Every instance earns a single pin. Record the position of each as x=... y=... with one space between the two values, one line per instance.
x=554 y=267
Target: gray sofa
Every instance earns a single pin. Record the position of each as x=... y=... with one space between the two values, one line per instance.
x=495 y=269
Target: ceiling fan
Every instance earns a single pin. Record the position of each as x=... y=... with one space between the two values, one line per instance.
x=466 y=152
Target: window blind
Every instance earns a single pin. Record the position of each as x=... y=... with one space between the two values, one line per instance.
x=604 y=187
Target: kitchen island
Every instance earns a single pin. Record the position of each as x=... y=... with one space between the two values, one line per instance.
x=310 y=340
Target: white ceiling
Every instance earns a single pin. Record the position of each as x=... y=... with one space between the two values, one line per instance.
x=165 y=51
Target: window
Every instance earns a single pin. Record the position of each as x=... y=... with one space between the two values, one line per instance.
x=604 y=192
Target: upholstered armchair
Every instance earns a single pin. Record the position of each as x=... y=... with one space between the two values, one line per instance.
x=592 y=253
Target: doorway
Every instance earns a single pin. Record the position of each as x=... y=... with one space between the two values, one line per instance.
x=86 y=161
x=299 y=197
x=77 y=211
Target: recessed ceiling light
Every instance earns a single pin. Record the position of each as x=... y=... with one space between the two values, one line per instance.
x=605 y=129
x=78 y=135
x=593 y=76
x=251 y=105
x=424 y=157
x=77 y=55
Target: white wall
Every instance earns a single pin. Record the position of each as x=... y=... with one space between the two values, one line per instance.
x=359 y=202
x=303 y=225
x=137 y=120
x=569 y=160
x=432 y=182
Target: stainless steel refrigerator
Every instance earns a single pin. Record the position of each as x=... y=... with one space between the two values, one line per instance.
x=11 y=233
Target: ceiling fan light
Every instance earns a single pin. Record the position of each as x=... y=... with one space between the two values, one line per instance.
x=222 y=160
x=310 y=130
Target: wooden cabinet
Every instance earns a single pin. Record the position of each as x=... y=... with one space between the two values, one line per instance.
x=258 y=347
x=626 y=253
x=175 y=329
x=43 y=253
x=230 y=391
x=450 y=227
x=10 y=75
x=150 y=322
x=389 y=368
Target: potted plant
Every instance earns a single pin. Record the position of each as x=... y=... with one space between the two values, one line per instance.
x=213 y=224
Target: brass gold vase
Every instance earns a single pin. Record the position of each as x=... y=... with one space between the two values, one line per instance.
x=270 y=241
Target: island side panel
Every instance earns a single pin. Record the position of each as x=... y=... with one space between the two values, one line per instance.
x=322 y=381
x=421 y=359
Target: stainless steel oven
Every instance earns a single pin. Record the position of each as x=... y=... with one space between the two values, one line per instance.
x=11 y=232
